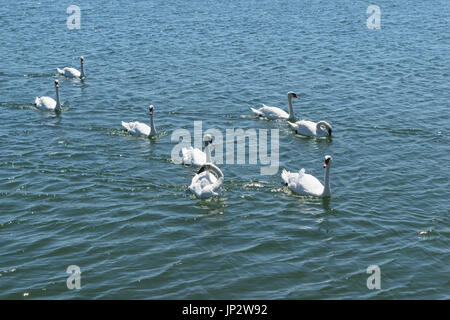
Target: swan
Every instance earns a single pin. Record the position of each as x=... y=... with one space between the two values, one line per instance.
x=306 y=184
x=72 y=72
x=47 y=103
x=273 y=113
x=195 y=156
x=139 y=128
x=207 y=182
x=312 y=129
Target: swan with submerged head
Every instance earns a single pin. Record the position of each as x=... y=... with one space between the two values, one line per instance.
x=312 y=129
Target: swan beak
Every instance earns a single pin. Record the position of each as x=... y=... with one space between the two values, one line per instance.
x=324 y=164
x=150 y=112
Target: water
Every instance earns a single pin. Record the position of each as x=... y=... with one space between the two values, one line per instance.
x=77 y=190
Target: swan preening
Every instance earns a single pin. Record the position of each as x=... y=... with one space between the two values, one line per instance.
x=312 y=129
x=195 y=156
x=72 y=72
x=306 y=184
x=273 y=113
x=207 y=182
x=47 y=103
x=139 y=128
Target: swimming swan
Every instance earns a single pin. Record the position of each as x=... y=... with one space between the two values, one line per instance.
x=72 y=72
x=195 y=156
x=47 y=103
x=306 y=184
x=207 y=182
x=273 y=113
x=139 y=128
x=312 y=129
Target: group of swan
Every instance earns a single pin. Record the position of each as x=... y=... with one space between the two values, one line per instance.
x=208 y=181
x=301 y=182
x=302 y=127
x=48 y=103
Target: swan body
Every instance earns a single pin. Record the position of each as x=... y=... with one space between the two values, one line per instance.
x=49 y=104
x=312 y=129
x=306 y=184
x=207 y=182
x=72 y=72
x=196 y=157
x=274 y=113
x=138 y=128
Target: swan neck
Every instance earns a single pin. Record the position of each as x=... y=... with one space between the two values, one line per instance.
x=291 y=109
x=327 y=189
x=58 y=104
x=82 y=69
x=319 y=126
x=208 y=153
x=152 y=126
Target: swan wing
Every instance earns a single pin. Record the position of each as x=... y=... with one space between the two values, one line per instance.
x=205 y=184
x=136 y=128
x=306 y=128
x=45 y=103
x=69 y=72
x=193 y=156
x=293 y=125
x=271 y=113
x=302 y=183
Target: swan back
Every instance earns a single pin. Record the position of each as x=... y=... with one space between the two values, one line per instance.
x=207 y=182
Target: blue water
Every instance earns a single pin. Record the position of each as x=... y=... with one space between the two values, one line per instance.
x=77 y=190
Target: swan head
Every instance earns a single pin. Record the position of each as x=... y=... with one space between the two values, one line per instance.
x=292 y=94
x=150 y=110
x=327 y=162
x=207 y=139
x=56 y=84
x=82 y=59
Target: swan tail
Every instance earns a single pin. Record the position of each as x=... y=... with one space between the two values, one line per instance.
x=257 y=112
x=60 y=71
x=285 y=176
x=186 y=155
x=126 y=125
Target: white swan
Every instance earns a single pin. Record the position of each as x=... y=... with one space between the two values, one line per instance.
x=47 y=103
x=72 y=72
x=312 y=129
x=195 y=156
x=139 y=128
x=306 y=184
x=207 y=182
x=273 y=113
